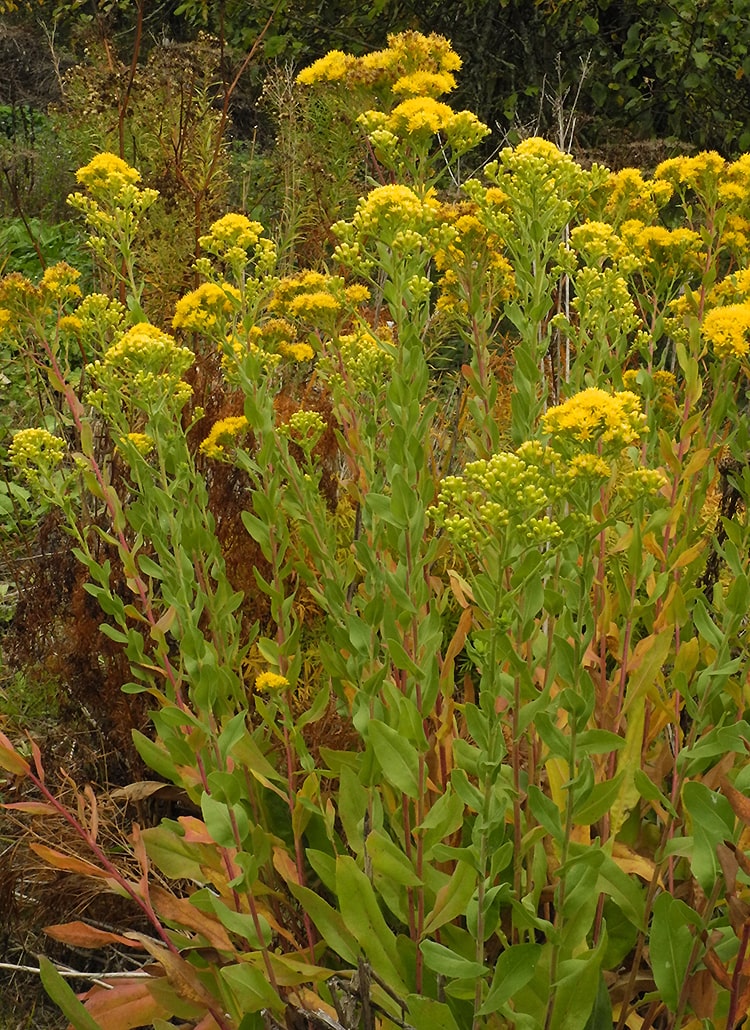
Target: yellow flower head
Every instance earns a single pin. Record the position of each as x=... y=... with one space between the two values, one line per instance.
x=271 y=681
x=727 y=329
x=107 y=173
x=35 y=453
x=594 y=416
x=60 y=282
x=224 y=433
x=331 y=68
x=142 y=442
x=233 y=230
x=201 y=309
x=424 y=84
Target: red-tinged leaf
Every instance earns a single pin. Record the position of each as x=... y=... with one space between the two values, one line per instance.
x=147 y=788
x=714 y=965
x=457 y=643
x=37 y=755
x=139 y=849
x=740 y=804
x=130 y=1004
x=284 y=866
x=207 y=1023
x=195 y=830
x=181 y=975
x=69 y=863
x=181 y=912
x=10 y=760
x=33 y=807
x=81 y=935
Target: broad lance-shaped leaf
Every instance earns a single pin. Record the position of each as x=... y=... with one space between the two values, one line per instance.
x=396 y=756
x=671 y=946
x=452 y=898
x=362 y=917
x=640 y=682
x=62 y=995
x=81 y=935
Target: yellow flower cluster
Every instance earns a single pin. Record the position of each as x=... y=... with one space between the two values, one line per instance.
x=360 y=362
x=107 y=173
x=60 y=282
x=424 y=84
x=698 y=173
x=207 y=306
x=224 y=433
x=394 y=215
x=316 y=299
x=408 y=55
x=596 y=242
x=472 y=260
x=627 y=195
x=500 y=500
x=142 y=442
x=661 y=254
x=727 y=329
x=233 y=237
x=271 y=681
x=594 y=416
x=34 y=453
x=144 y=366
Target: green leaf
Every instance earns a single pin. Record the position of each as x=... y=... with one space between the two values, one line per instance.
x=250 y=987
x=426 y=1014
x=63 y=996
x=452 y=898
x=513 y=970
x=389 y=861
x=328 y=922
x=397 y=757
x=712 y=824
x=599 y=800
x=363 y=918
x=671 y=946
x=442 y=960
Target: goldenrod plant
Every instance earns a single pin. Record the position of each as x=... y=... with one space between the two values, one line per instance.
x=468 y=748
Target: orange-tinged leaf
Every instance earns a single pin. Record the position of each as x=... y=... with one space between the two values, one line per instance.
x=631 y=862
x=456 y=645
x=180 y=974
x=182 y=912
x=33 y=807
x=81 y=935
x=284 y=866
x=10 y=760
x=740 y=804
x=715 y=966
x=69 y=863
x=130 y=1004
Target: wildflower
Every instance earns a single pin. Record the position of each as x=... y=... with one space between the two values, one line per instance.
x=331 y=68
x=698 y=173
x=271 y=681
x=501 y=499
x=142 y=442
x=202 y=309
x=424 y=84
x=4 y=318
x=594 y=416
x=35 y=453
x=596 y=242
x=70 y=324
x=60 y=282
x=359 y=362
x=233 y=230
x=727 y=329
x=223 y=433
x=107 y=173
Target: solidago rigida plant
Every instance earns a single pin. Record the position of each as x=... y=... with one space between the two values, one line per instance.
x=529 y=619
